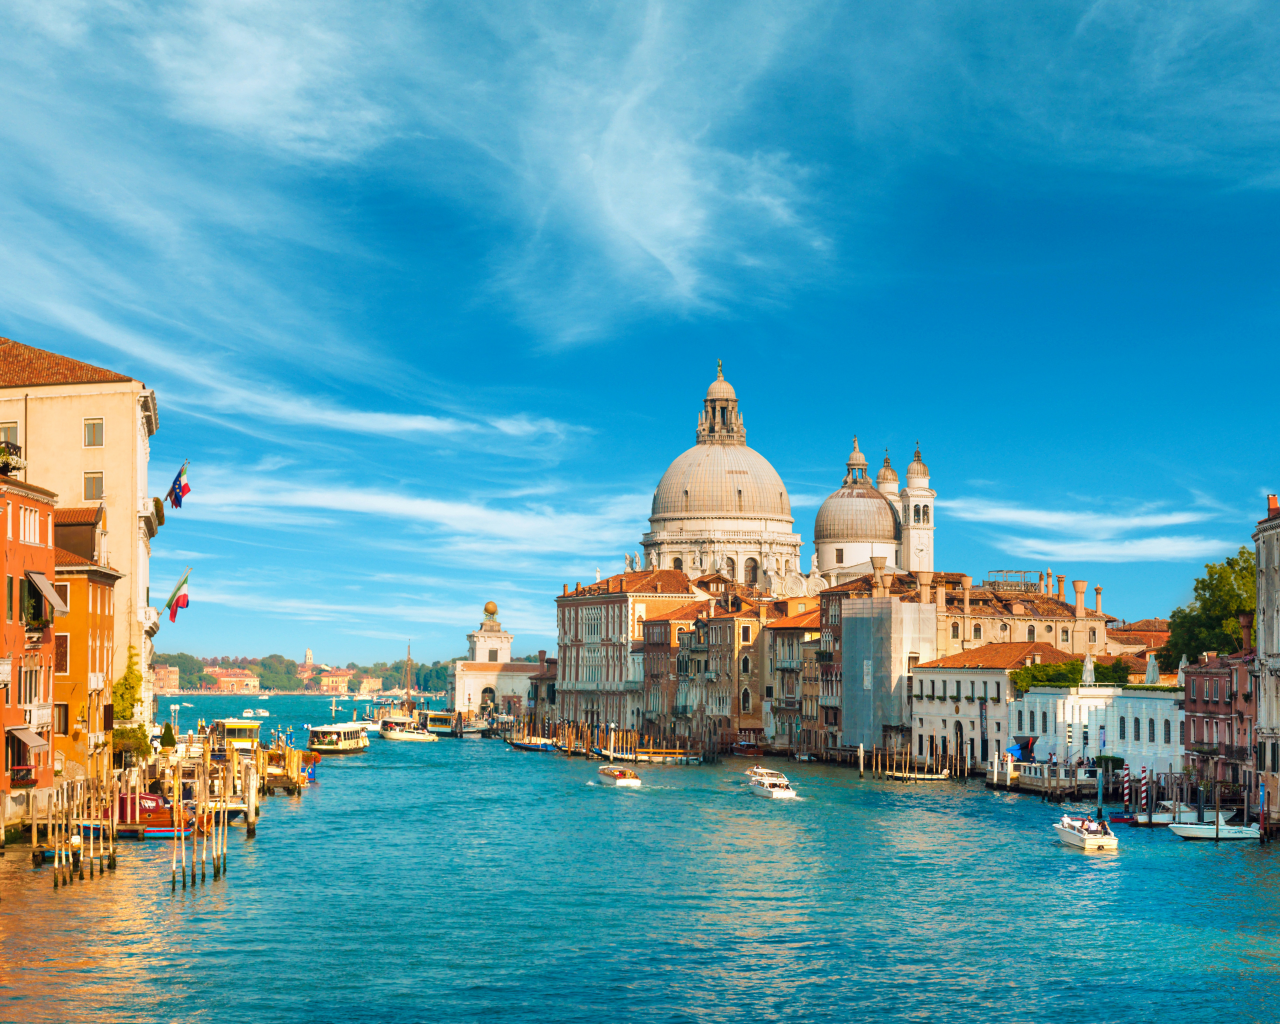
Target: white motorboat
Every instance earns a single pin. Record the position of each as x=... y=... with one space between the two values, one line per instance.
x=341 y=738
x=1085 y=833
x=1195 y=830
x=769 y=784
x=248 y=713
x=264 y=696
x=619 y=777
x=405 y=727
x=1167 y=812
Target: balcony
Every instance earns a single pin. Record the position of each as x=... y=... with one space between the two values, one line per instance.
x=22 y=776
x=38 y=634
x=10 y=458
x=824 y=657
x=1228 y=751
x=683 y=710
x=39 y=716
x=789 y=665
x=633 y=684
x=786 y=704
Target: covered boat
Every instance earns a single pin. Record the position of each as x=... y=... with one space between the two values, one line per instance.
x=340 y=738
x=405 y=727
x=769 y=784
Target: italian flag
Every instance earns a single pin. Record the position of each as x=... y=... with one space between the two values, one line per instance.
x=178 y=599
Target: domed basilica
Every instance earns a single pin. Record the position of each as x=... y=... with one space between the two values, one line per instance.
x=721 y=507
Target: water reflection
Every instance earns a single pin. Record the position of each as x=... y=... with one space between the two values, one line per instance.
x=462 y=880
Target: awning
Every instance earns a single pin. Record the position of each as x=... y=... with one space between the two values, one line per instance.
x=50 y=595
x=33 y=742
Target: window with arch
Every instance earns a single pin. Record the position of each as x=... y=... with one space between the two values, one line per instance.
x=1137 y=730
x=977 y=631
x=746 y=665
x=1093 y=636
x=1182 y=732
x=686 y=501
x=739 y=501
x=1044 y=722
x=1066 y=636
x=1122 y=727
x=746 y=701
x=955 y=631
x=1151 y=730
x=752 y=572
x=925 y=510
x=730 y=568
x=677 y=563
x=1168 y=732
x=916 y=514
x=1031 y=634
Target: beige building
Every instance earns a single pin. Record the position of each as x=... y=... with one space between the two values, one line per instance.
x=85 y=434
x=488 y=682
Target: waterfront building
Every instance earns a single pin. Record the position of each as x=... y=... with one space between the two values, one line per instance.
x=83 y=650
x=600 y=632
x=721 y=507
x=815 y=730
x=784 y=699
x=1219 y=702
x=736 y=651
x=488 y=681
x=1266 y=662
x=167 y=679
x=542 y=693
x=662 y=665
x=960 y=702
x=27 y=643
x=336 y=680
x=859 y=521
x=232 y=680
x=85 y=432
x=368 y=684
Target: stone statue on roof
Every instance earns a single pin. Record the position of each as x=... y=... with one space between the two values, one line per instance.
x=626 y=562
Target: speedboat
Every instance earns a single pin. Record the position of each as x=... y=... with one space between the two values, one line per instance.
x=746 y=748
x=405 y=727
x=265 y=696
x=1085 y=833
x=248 y=713
x=1166 y=812
x=1195 y=830
x=343 y=738
x=619 y=777
x=769 y=784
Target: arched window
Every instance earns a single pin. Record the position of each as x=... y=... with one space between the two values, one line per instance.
x=1122 y=727
x=739 y=501
x=1168 y=733
x=1182 y=732
x=977 y=631
x=488 y=697
x=1044 y=722
x=1031 y=634
x=955 y=631
x=1151 y=730
x=746 y=665
x=926 y=513
x=752 y=571
x=916 y=514
x=677 y=563
x=1066 y=636
x=746 y=701
x=1137 y=730
x=730 y=568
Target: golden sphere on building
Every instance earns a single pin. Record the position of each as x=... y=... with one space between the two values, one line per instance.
x=490 y=608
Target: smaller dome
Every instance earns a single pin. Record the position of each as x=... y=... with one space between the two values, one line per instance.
x=857 y=464
x=917 y=470
x=490 y=608
x=886 y=475
x=721 y=388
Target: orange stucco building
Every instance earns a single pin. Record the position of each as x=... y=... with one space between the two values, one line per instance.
x=83 y=645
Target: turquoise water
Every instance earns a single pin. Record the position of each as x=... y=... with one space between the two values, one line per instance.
x=461 y=880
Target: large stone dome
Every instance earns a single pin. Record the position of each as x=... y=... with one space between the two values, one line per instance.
x=721 y=479
x=857 y=512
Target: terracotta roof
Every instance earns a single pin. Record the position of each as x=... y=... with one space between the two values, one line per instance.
x=61 y=557
x=801 y=620
x=524 y=667
x=24 y=366
x=1145 y=625
x=77 y=516
x=686 y=612
x=1151 y=639
x=650 y=581
x=1003 y=656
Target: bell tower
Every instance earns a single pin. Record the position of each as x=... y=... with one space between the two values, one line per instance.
x=918 y=517
x=720 y=422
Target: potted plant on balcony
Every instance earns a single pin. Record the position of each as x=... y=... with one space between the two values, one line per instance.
x=10 y=458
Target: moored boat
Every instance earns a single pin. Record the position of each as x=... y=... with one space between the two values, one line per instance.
x=1166 y=812
x=1085 y=833
x=746 y=748
x=1195 y=830
x=148 y=816
x=405 y=727
x=544 y=745
x=340 y=738
x=438 y=722
x=619 y=777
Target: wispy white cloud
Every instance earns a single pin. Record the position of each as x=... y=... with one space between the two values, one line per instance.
x=1071 y=522
x=1144 y=549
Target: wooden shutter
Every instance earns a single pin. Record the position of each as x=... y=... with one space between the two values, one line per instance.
x=61 y=654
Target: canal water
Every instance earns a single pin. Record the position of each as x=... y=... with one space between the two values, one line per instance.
x=465 y=881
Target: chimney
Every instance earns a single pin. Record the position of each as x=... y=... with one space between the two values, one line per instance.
x=1273 y=506
x=924 y=579
x=877 y=568
x=940 y=595
x=566 y=591
x=1097 y=600
x=1246 y=631
x=1044 y=589
x=966 y=584
x=1037 y=659
x=542 y=657
x=1080 y=587
x=1062 y=588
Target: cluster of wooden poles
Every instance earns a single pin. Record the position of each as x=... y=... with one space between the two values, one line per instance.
x=208 y=824
x=899 y=763
x=79 y=826
x=580 y=738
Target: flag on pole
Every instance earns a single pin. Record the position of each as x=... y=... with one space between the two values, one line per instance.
x=178 y=599
x=180 y=488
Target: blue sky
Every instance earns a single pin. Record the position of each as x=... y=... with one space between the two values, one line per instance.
x=430 y=294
